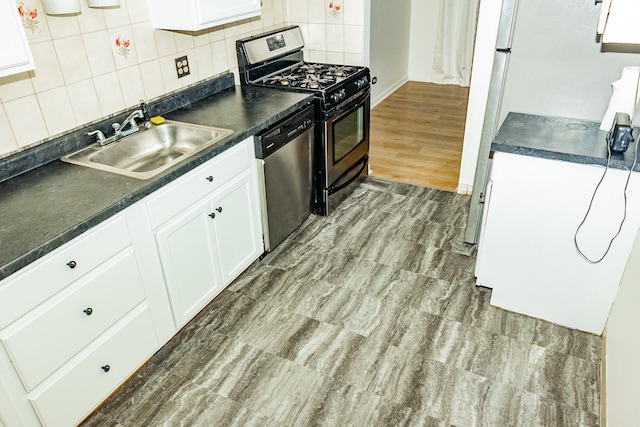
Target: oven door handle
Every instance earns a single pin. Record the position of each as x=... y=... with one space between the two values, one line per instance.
x=364 y=162
x=353 y=103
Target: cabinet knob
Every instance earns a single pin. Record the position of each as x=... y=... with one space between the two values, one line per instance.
x=88 y=311
x=106 y=368
x=210 y=178
x=212 y=215
x=219 y=209
x=72 y=264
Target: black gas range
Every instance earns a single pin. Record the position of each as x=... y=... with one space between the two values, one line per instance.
x=342 y=98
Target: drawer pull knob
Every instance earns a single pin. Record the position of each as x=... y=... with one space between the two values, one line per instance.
x=88 y=311
x=106 y=368
x=72 y=264
x=219 y=209
x=212 y=215
x=210 y=178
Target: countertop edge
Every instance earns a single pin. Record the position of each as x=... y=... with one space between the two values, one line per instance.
x=67 y=235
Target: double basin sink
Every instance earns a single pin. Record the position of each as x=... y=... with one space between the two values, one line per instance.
x=148 y=152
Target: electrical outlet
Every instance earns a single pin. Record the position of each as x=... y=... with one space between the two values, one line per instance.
x=182 y=66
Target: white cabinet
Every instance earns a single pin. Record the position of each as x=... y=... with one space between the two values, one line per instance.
x=60 y=317
x=75 y=324
x=194 y=15
x=15 y=55
x=214 y=233
x=526 y=252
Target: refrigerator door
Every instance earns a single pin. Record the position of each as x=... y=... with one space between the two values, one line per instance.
x=490 y=125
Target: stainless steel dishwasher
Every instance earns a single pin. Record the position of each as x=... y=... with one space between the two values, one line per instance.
x=285 y=163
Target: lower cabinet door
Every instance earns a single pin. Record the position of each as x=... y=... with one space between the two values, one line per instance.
x=187 y=253
x=71 y=393
x=237 y=226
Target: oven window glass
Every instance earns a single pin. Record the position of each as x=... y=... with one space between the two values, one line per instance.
x=348 y=132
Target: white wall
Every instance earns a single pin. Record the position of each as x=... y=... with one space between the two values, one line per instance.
x=388 y=46
x=623 y=348
x=488 y=19
x=422 y=44
x=556 y=68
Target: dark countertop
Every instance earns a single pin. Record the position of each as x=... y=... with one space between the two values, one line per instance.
x=46 y=207
x=556 y=138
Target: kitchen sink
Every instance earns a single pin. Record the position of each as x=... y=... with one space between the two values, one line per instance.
x=148 y=152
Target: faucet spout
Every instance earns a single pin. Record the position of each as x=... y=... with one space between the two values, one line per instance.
x=129 y=121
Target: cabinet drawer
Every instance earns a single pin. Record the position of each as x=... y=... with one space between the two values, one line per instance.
x=82 y=384
x=34 y=284
x=198 y=183
x=68 y=323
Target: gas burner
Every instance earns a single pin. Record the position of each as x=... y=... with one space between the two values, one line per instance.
x=281 y=80
x=313 y=81
x=340 y=71
x=308 y=69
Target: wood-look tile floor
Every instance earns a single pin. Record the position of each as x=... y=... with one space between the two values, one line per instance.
x=369 y=317
x=416 y=135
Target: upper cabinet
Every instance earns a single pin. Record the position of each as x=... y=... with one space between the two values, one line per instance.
x=15 y=55
x=195 y=15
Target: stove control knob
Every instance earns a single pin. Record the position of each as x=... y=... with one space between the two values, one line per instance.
x=339 y=95
x=361 y=82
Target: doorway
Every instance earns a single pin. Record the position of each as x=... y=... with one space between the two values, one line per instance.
x=417 y=134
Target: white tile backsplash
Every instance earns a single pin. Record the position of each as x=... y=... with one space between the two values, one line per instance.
x=91 y=19
x=99 y=52
x=152 y=81
x=56 y=110
x=145 y=41
x=47 y=74
x=131 y=85
x=84 y=101
x=7 y=142
x=26 y=120
x=109 y=93
x=74 y=59
x=15 y=86
x=62 y=25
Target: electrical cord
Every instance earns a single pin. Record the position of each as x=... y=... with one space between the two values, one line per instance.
x=624 y=216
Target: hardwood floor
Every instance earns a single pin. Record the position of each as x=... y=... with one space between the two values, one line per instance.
x=416 y=135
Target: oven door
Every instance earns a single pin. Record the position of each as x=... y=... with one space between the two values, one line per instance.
x=346 y=136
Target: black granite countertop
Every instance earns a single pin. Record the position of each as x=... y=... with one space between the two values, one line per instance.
x=53 y=203
x=558 y=138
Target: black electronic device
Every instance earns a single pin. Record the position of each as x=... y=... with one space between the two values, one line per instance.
x=621 y=133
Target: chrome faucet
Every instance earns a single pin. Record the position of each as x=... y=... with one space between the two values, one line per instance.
x=119 y=129
x=129 y=121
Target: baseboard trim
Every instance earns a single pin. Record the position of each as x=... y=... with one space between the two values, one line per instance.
x=382 y=96
x=464 y=189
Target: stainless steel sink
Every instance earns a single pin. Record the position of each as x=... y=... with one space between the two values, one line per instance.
x=149 y=152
